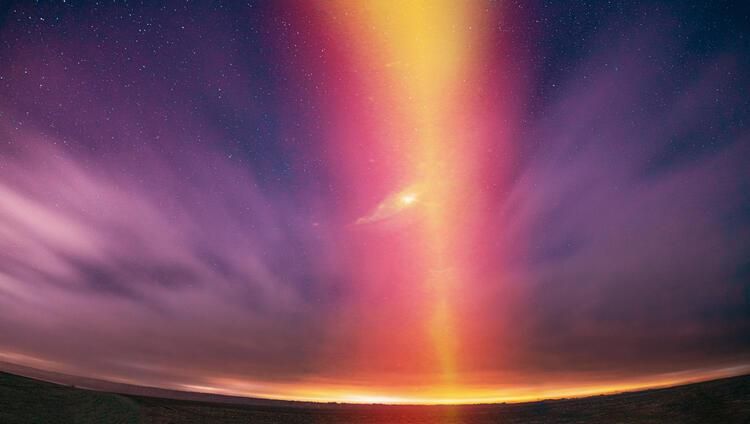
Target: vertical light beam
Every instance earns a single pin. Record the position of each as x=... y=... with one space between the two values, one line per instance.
x=425 y=47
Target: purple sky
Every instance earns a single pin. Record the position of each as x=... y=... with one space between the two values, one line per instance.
x=171 y=211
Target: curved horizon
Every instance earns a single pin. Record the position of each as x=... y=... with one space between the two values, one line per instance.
x=359 y=396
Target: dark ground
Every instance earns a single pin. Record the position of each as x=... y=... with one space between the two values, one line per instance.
x=25 y=400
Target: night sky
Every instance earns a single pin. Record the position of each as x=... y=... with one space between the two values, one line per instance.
x=420 y=201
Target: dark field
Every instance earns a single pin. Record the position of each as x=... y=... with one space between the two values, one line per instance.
x=24 y=400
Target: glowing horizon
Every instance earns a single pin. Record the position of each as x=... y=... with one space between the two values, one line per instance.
x=427 y=396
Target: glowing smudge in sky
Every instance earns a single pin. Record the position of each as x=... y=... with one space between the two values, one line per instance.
x=392 y=205
x=428 y=201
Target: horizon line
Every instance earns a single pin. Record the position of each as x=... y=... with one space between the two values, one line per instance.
x=355 y=399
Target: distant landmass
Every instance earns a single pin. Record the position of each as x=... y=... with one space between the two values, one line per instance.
x=31 y=400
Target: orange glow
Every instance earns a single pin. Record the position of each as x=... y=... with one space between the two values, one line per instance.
x=447 y=396
x=434 y=395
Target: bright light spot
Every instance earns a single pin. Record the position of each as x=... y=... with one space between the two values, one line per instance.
x=408 y=198
x=373 y=399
